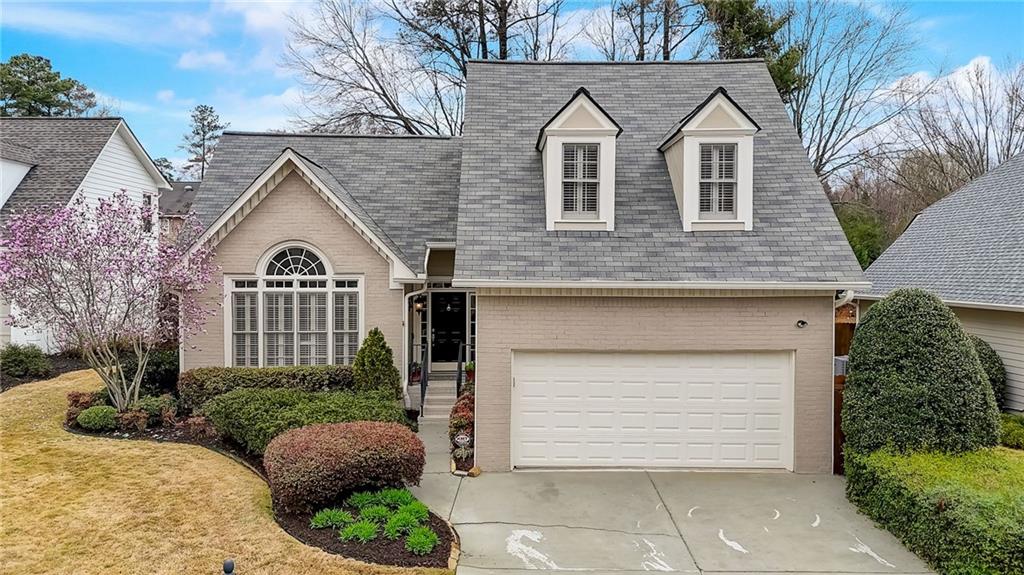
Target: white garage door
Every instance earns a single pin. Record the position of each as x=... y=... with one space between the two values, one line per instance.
x=694 y=409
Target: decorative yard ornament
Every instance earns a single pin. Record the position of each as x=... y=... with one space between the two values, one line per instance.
x=97 y=277
x=463 y=440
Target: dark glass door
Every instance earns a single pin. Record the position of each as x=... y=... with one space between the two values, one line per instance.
x=447 y=324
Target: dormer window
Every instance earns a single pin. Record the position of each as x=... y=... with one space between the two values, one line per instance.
x=710 y=156
x=577 y=147
x=580 y=181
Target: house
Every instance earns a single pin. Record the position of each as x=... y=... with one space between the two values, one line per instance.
x=175 y=205
x=638 y=257
x=968 y=249
x=48 y=162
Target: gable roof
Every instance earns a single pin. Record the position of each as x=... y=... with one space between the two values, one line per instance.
x=403 y=188
x=62 y=151
x=681 y=124
x=177 y=201
x=501 y=239
x=580 y=92
x=967 y=248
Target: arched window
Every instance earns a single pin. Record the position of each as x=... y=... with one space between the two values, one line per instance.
x=295 y=313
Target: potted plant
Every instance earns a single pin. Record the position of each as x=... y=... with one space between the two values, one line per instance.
x=414 y=372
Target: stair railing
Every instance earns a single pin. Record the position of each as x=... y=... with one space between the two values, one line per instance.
x=458 y=369
x=424 y=377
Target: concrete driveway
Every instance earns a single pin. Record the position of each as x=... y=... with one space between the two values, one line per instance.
x=606 y=522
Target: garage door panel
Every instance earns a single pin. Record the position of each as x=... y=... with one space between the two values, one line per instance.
x=652 y=409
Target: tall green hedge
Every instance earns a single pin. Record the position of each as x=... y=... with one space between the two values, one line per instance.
x=914 y=380
x=374 y=365
x=993 y=366
x=197 y=386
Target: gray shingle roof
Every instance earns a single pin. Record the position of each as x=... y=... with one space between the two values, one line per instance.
x=967 y=247
x=501 y=224
x=402 y=187
x=62 y=150
x=177 y=201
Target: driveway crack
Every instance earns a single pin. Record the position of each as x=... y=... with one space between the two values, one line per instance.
x=673 y=519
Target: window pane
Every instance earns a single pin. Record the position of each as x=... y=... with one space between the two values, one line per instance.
x=278 y=326
x=312 y=328
x=244 y=336
x=706 y=151
x=569 y=196
x=346 y=326
x=726 y=197
x=296 y=261
x=588 y=197
x=706 y=189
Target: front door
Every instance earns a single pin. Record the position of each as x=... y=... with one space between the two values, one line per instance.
x=447 y=326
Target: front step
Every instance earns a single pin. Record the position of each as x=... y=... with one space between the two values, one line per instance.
x=440 y=397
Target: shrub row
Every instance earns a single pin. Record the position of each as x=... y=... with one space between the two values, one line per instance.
x=962 y=513
x=252 y=417
x=24 y=361
x=318 y=464
x=197 y=386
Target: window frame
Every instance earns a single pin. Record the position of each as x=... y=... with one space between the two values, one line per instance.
x=261 y=280
x=578 y=214
x=715 y=181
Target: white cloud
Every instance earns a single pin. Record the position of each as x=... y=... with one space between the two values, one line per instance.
x=122 y=27
x=196 y=60
x=119 y=106
x=165 y=96
x=257 y=113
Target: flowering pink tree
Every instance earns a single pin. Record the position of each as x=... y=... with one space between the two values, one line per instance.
x=100 y=280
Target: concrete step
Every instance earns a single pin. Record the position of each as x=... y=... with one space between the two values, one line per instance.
x=435 y=412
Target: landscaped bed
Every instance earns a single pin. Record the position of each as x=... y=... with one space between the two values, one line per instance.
x=85 y=505
x=43 y=366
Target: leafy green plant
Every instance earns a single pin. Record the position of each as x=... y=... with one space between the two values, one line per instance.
x=915 y=382
x=1013 y=431
x=993 y=366
x=160 y=375
x=98 y=418
x=421 y=541
x=160 y=409
x=362 y=499
x=252 y=417
x=399 y=524
x=417 y=509
x=333 y=518
x=24 y=361
x=376 y=513
x=362 y=531
x=395 y=498
x=79 y=401
x=374 y=366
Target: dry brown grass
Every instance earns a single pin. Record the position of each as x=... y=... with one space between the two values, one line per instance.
x=83 y=505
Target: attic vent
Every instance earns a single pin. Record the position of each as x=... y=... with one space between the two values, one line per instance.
x=188 y=188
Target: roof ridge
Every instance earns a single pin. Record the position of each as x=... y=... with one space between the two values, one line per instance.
x=333 y=135
x=77 y=118
x=971 y=184
x=619 y=62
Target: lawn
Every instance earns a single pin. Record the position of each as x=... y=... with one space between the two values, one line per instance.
x=76 y=504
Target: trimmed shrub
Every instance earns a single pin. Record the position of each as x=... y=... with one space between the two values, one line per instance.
x=1013 y=431
x=333 y=518
x=460 y=420
x=79 y=401
x=160 y=375
x=252 y=417
x=374 y=366
x=993 y=366
x=914 y=380
x=421 y=541
x=98 y=418
x=132 y=420
x=964 y=513
x=162 y=409
x=197 y=386
x=361 y=531
x=313 y=465
x=24 y=361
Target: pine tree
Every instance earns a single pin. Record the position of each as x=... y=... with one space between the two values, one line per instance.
x=374 y=366
x=202 y=138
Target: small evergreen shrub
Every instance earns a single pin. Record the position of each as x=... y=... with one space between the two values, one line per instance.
x=161 y=409
x=400 y=524
x=417 y=510
x=312 y=466
x=361 y=531
x=98 y=418
x=330 y=518
x=24 y=361
x=197 y=386
x=1013 y=431
x=79 y=401
x=132 y=420
x=160 y=375
x=374 y=366
x=993 y=366
x=421 y=541
x=395 y=498
x=915 y=382
x=252 y=417
x=375 y=513
x=363 y=499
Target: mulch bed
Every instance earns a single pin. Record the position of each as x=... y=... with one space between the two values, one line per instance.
x=381 y=550
x=62 y=363
x=463 y=464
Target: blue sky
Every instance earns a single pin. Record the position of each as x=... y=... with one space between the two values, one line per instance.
x=155 y=60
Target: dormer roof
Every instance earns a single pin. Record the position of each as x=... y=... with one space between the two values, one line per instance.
x=718 y=112
x=580 y=112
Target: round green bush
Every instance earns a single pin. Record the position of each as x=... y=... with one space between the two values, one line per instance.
x=98 y=418
x=914 y=380
x=24 y=361
x=993 y=366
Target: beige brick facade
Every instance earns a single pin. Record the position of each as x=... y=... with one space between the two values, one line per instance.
x=508 y=323
x=293 y=211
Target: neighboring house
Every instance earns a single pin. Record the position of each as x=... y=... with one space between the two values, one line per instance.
x=638 y=256
x=46 y=162
x=175 y=205
x=968 y=249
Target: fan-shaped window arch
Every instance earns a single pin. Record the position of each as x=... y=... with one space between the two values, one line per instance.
x=296 y=261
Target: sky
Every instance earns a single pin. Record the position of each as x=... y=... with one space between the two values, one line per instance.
x=153 y=61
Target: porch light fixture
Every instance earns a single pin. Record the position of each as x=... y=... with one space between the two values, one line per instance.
x=419 y=303
x=801 y=324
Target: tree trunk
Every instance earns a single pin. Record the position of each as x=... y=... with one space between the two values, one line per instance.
x=483 y=29
x=666 y=32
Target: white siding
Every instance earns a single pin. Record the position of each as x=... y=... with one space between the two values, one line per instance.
x=1004 y=331
x=117 y=168
x=11 y=174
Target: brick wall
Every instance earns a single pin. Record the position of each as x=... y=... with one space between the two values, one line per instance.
x=508 y=323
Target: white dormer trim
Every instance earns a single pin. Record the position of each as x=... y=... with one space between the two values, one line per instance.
x=717 y=120
x=580 y=121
